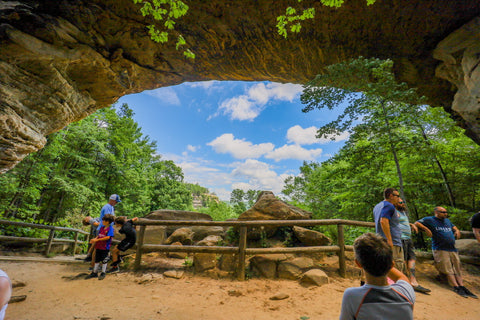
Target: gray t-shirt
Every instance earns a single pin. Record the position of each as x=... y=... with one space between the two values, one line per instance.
x=368 y=302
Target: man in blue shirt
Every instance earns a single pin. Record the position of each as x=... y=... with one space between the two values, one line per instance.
x=387 y=224
x=108 y=208
x=443 y=234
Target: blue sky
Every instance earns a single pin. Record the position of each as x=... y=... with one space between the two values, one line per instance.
x=227 y=135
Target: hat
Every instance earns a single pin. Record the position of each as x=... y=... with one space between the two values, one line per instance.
x=115 y=197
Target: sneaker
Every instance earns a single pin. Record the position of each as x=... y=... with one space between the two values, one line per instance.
x=421 y=289
x=87 y=259
x=91 y=275
x=114 y=269
x=115 y=263
x=460 y=292
x=469 y=293
x=90 y=269
x=102 y=276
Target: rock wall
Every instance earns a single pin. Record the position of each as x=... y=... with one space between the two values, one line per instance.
x=60 y=60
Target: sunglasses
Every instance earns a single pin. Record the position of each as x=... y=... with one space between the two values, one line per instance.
x=443 y=211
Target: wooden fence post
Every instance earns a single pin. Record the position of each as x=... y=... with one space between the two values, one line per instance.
x=341 y=252
x=49 y=241
x=242 y=244
x=138 y=255
x=75 y=244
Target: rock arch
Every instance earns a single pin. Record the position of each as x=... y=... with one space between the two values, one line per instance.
x=60 y=60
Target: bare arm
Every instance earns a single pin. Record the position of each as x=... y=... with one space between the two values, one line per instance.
x=414 y=228
x=385 y=224
x=476 y=233
x=456 y=232
x=134 y=219
x=99 y=239
x=424 y=229
x=396 y=275
x=5 y=291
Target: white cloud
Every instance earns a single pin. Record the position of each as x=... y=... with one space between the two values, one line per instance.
x=248 y=106
x=301 y=136
x=259 y=176
x=239 y=149
x=293 y=152
x=166 y=95
x=192 y=148
x=342 y=136
x=201 y=84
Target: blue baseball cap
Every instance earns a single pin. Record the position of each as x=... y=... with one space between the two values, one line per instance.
x=115 y=197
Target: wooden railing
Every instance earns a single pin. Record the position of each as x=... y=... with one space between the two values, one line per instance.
x=51 y=238
x=242 y=250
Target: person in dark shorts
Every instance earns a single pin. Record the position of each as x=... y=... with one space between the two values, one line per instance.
x=102 y=246
x=128 y=229
x=406 y=227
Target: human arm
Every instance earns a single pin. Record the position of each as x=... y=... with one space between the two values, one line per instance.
x=97 y=239
x=396 y=275
x=134 y=219
x=423 y=228
x=456 y=231
x=414 y=228
x=476 y=233
x=385 y=224
x=5 y=291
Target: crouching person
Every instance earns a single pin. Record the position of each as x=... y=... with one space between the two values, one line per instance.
x=128 y=229
x=377 y=299
x=102 y=246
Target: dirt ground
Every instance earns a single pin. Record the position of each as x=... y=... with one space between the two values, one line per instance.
x=59 y=291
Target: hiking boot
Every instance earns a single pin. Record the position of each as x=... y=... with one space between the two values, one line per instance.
x=469 y=293
x=421 y=289
x=91 y=275
x=102 y=276
x=114 y=269
x=460 y=292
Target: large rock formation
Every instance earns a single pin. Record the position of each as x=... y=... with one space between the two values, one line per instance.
x=60 y=60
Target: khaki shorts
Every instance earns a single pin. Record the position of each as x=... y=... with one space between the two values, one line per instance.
x=398 y=258
x=447 y=262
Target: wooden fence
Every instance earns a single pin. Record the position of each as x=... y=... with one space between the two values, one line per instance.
x=51 y=238
x=242 y=250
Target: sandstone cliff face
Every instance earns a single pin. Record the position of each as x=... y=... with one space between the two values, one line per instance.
x=60 y=60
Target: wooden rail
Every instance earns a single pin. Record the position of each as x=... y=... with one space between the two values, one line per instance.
x=242 y=250
x=51 y=237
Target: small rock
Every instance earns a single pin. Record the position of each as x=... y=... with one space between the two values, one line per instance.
x=177 y=274
x=279 y=296
x=235 y=293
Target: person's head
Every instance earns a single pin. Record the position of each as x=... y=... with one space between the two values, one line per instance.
x=114 y=199
x=373 y=254
x=86 y=221
x=108 y=219
x=120 y=221
x=401 y=205
x=391 y=195
x=440 y=212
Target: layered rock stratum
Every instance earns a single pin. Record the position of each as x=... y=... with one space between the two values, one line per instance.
x=60 y=60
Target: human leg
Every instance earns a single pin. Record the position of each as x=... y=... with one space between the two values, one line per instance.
x=398 y=258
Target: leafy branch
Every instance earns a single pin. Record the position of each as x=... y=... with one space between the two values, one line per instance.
x=167 y=11
x=291 y=20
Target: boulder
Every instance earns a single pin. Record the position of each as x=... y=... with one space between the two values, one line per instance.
x=177 y=255
x=176 y=274
x=204 y=261
x=209 y=241
x=201 y=232
x=293 y=269
x=314 y=277
x=311 y=237
x=265 y=265
x=468 y=247
x=228 y=262
x=183 y=235
x=269 y=207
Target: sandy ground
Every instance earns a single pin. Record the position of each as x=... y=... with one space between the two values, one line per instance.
x=59 y=291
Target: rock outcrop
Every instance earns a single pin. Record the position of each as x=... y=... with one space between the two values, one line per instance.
x=60 y=60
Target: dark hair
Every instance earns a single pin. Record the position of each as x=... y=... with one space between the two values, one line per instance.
x=120 y=220
x=108 y=217
x=387 y=192
x=374 y=254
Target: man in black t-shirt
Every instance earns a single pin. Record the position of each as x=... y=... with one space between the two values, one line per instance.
x=476 y=225
x=128 y=229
